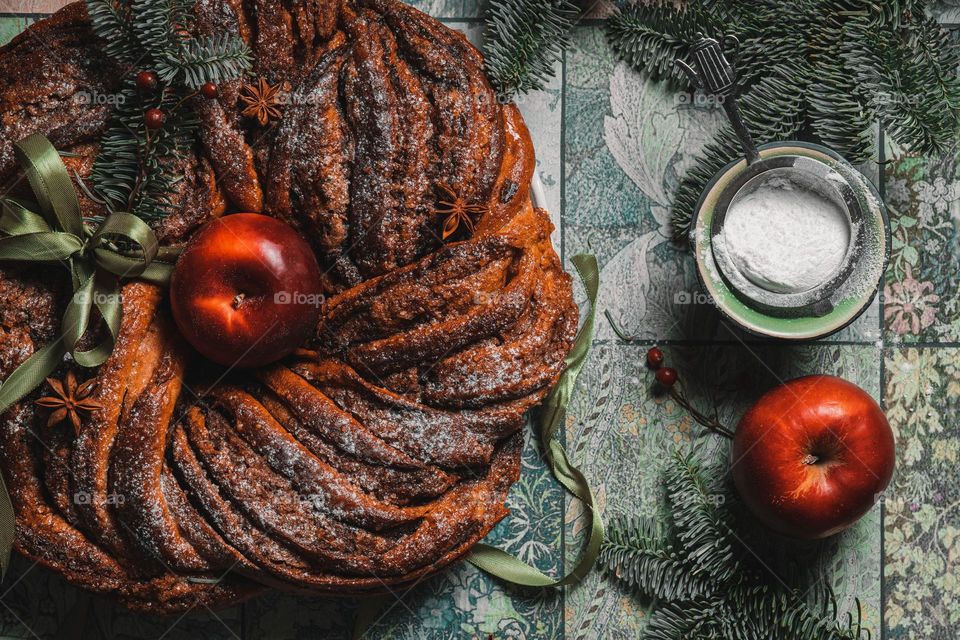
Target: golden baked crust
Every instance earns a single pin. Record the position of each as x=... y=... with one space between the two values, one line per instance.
x=385 y=448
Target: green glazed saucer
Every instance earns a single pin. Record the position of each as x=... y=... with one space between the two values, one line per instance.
x=850 y=298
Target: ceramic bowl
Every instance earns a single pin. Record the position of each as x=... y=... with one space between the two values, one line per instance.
x=806 y=315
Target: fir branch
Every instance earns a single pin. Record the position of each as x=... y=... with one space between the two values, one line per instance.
x=640 y=555
x=768 y=612
x=138 y=169
x=523 y=40
x=907 y=73
x=703 y=589
x=212 y=59
x=701 y=525
x=161 y=25
x=110 y=20
x=651 y=37
x=691 y=620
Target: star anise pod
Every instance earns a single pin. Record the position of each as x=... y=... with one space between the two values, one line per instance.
x=457 y=210
x=261 y=101
x=69 y=400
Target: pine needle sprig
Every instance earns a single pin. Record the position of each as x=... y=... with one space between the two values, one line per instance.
x=786 y=613
x=702 y=526
x=138 y=169
x=652 y=40
x=640 y=554
x=909 y=75
x=523 y=39
x=160 y=25
x=111 y=22
x=211 y=59
x=704 y=582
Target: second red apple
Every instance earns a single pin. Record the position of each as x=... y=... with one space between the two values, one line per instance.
x=812 y=456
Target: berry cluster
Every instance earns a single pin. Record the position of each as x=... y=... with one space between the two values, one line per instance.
x=147 y=82
x=666 y=376
x=667 y=379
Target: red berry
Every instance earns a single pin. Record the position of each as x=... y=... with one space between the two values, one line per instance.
x=667 y=376
x=154 y=118
x=147 y=81
x=654 y=358
x=209 y=90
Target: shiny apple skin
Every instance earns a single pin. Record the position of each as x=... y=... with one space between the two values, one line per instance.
x=261 y=259
x=826 y=417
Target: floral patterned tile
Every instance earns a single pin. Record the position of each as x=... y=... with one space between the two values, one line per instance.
x=38 y=603
x=619 y=431
x=35 y=601
x=922 y=507
x=628 y=142
x=921 y=292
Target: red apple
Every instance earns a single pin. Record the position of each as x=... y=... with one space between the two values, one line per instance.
x=812 y=456
x=246 y=290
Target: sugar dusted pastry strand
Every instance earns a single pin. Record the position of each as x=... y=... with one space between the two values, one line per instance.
x=332 y=492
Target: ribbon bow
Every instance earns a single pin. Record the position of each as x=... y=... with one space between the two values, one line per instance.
x=123 y=246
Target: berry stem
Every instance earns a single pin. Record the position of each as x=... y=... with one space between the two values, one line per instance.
x=711 y=424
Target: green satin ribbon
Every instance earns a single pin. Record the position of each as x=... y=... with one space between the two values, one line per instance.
x=57 y=235
x=500 y=563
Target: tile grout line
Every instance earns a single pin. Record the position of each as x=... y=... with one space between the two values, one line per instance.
x=563 y=155
x=474 y=20
x=699 y=342
x=882 y=187
x=563 y=226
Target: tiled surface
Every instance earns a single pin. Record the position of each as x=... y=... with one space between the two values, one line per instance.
x=921 y=291
x=922 y=507
x=611 y=147
x=11 y=26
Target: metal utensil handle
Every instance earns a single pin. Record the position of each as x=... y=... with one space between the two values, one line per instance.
x=740 y=128
x=716 y=75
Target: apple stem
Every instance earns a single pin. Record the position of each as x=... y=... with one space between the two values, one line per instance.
x=711 y=424
x=810 y=459
x=238 y=300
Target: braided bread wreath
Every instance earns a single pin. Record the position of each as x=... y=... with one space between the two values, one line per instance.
x=401 y=423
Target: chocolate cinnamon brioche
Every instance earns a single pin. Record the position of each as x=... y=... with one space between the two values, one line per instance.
x=384 y=448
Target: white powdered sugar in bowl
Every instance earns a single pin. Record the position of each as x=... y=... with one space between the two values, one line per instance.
x=785 y=237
